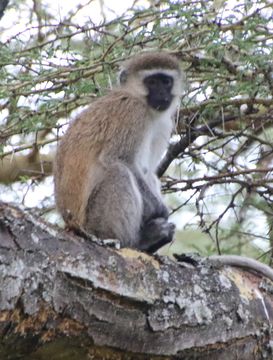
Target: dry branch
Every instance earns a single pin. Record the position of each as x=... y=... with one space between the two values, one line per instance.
x=15 y=167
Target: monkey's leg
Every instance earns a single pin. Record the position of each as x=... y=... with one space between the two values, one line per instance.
x=115 y=207
x=155 y=234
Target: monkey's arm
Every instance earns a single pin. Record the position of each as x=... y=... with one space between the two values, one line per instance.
x=155 y=230
x=152 y=201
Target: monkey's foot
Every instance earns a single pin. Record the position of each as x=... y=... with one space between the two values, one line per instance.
x=155 y=234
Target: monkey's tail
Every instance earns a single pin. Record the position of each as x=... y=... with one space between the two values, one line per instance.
x=243 y=262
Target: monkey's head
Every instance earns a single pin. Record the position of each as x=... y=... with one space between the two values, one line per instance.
x=154 y=75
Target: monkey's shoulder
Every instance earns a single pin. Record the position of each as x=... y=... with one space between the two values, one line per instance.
x=115 y=115
x=117 y=106
x=116 y=103
x=119 y=100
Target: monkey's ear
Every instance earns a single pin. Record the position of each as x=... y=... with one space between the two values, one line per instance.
x=123 y=75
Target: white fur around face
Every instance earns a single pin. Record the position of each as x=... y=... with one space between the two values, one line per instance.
x=159 y=123
x=156 y=140
x=134 y=83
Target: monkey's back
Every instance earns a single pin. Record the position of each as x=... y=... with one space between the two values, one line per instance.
x=115 y=120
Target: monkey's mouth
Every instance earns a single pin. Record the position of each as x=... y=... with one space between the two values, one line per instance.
x=160 y=104
x=163 y=106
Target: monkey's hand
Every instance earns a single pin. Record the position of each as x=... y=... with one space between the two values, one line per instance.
x=156 y=233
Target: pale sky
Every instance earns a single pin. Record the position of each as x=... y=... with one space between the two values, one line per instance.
x=16 y=22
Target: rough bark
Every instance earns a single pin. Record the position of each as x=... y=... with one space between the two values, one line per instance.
x=65 y=297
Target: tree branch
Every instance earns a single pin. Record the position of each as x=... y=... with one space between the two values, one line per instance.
x=61 y=294
x=3 y=5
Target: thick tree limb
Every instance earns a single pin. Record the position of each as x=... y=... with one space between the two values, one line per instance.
x=14 y=167
x=63 y=297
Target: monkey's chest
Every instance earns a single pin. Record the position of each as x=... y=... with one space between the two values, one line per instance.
x=154 y=144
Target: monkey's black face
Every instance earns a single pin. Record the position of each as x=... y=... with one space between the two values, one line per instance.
x=159 y=91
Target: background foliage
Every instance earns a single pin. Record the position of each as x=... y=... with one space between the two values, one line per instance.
x=57 y=57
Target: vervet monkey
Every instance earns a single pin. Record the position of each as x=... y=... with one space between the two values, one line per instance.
x=105 y=182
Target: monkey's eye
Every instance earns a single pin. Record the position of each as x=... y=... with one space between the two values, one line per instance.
x=157 y=80
x=167 y=81
x=151 y=81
